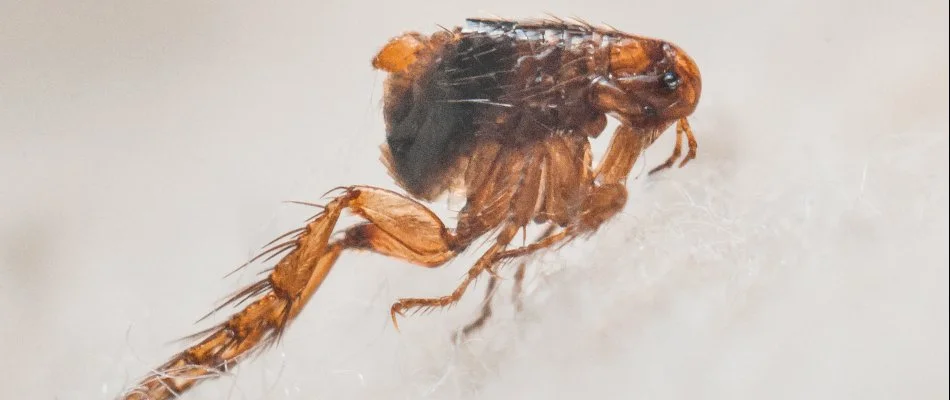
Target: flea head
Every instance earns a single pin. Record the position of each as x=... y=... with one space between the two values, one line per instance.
x=649 y=83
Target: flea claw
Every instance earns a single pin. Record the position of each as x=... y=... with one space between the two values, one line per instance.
x=396 y=310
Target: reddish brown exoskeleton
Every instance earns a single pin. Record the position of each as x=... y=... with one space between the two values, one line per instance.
x=501 y=111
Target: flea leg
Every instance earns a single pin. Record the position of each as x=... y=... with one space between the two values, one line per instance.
x=507 y=202
x=486 y=311
x=519 y=273
x=682 y=129
x=625 y=147
x=516 y=290
x=603 y=200
x=603 y=203
x=673 y=157
x=425 y=304
x=398 y=227
x=683 y=125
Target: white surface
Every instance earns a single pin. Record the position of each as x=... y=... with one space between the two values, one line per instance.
x=145 y=150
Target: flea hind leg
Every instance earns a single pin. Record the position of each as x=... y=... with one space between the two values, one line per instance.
x=397 y=226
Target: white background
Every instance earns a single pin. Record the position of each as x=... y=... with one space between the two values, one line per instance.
x=146 y=147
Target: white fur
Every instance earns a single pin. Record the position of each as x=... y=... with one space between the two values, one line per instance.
x=803 y=255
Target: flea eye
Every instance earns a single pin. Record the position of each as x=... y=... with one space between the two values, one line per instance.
x=671 y=80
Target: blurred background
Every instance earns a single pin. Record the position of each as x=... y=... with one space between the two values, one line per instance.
x=146 y=149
